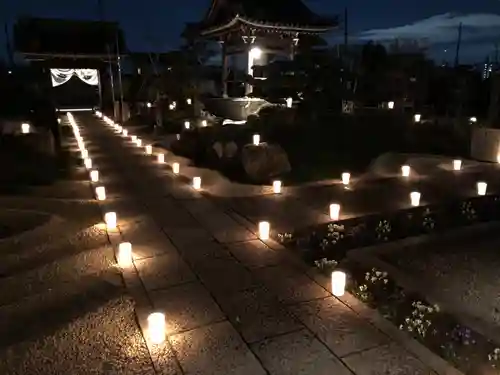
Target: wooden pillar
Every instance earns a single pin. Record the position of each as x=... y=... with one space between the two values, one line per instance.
x=224 y=68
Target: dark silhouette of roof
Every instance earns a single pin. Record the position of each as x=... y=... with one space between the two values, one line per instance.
x=67 y=37
x=287 y=14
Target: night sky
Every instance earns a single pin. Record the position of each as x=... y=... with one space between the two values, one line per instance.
x=155 y=25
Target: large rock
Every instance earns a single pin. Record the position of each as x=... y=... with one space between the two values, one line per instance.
x=264 y=161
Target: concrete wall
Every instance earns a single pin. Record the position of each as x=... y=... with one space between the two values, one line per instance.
x=485 y=144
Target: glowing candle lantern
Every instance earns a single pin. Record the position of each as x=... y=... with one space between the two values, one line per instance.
x=94 y=175
x=289 y=102
x=264 y=230
x=125 y=132
x=88 y=163
x=187 y=125
x=196 y=183
x=338 y=283
x=133 y=138
x=457 y=165
x=390 y=105
x=25 y=128
x=161 y=158
x=176 y=168
x=417 y=117
x=148 y=104
x=405 y=171
x=124 y=256
x=256 y=139
x=156 y=327
x=334 y=211
x=100 y=193
x=149 y=149
x=346 y=178
x=139 y=142
x=473 y=119
x=204 y=123
x=110 y=220
x=85 y=153
x=188 y=101
x=415 y=198
x=481 y=188
x=277 y=187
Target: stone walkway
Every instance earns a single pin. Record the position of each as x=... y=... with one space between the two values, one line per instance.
x=233 y=303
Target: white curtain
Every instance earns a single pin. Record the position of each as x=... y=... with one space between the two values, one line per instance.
x=61 y=76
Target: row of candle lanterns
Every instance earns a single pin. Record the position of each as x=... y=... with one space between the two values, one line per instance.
x=156 y=320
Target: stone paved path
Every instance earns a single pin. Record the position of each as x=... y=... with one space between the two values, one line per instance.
x=233 y=303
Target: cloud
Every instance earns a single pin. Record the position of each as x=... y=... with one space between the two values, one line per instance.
x=441 y=29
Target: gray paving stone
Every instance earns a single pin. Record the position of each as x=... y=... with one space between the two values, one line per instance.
x=186 y=307
x=289 y=285
x=222 y=275
x=202 y=251
x=163 y=271
x=215 y=349
x=186 y=237
x=385 y=360
x=219 y=224
x=255 y=253
x=338 y=326
x=298 y=353
x=257 y=314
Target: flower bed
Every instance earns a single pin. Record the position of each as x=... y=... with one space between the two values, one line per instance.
x=438 y=330
x=333 y=240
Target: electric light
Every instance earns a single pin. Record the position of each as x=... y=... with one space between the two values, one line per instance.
x=481 y=188
x=187 y=125
x=264 y=229
x=256 y=53
x=415 y=198
x=390 y=105
x=149 y=149
x=196 y=183
x=124 y=256
x=277 y=186
x=100 y=192
x=58 y=120
x=457 y=164
x=334 y=211
x=25 y=128
x=176 y=168
x=345 y=178
x=88 y=163
x=110 y=220
x=156 y=328
x=256 y=139
x=417 y=117
x=289 y=102
x=338 y=283
x=405 y=171
x=161 y=158
x=94 y=175
x=85 y=154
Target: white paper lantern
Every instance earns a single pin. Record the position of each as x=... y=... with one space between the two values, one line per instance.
x=289 y=102
x=187 y=125
x=110 y=220
x=156 y=328
x=417 y=117
x=457 y=164
x=256 y=139
x=133 y=138
x=161 y=158
x=188 y=101
x=149 y=149
x=277 y=186
x=390 y=105
x=481 y=188
x=264 y=230
x=196 y=183
x=94 y=175
x=139 y=142
x=124 y=256
x=85 y=153
x=100 y=193
x=335 y=211
x=415 y=198
x=204 y=123
x=176 y=168
x=338 y=283
x=88 y=163
x=405 y=171
x=125 y=132
x=25 y=128
x=346 y=178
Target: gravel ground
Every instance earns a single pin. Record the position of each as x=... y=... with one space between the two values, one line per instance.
x=464 y=274
x=63 y=307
